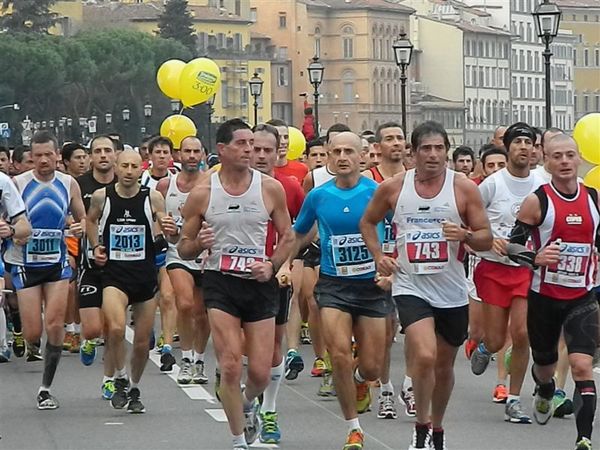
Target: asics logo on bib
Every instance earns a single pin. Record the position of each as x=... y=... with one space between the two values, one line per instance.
x=426 y=236
x=565 y=248
x=127 y=229
x=351 y=240
x=44 y=233
x=242 y=250
x=423 y=220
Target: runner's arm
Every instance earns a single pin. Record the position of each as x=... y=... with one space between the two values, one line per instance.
x=479 y=236
x=189 y=246
x=308 y=182
x=282 y=224
x=94 y=212
x=77 y=209
x=376 y=211
x=22 y=228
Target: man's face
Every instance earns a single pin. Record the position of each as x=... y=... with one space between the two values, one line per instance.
x=464 y=164
x=103 y=155
x=129 y=168
x=493 y=163
x=563 y=159
x=44 y=158
x=144 y=151
x=161 y=156
x=317 y=157
x=284 y=139
x=236 y=154
x=192 y=154
x=392 y=144
x=497 y=140
x=78 y=164
x=375 y=155
x=519 y=151
x=537 y=153
x=25 y=165
x=264 y=154
x=345 y=154
x=431 y=154
x=4 y=163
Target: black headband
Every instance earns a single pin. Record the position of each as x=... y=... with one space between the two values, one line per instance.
x=517 y=130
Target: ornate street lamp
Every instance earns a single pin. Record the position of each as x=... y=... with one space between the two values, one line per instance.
x=175 y=105
x=126 y=115
x=315 y=76
x=256 y=86
x=108 y=119
x=403 y=49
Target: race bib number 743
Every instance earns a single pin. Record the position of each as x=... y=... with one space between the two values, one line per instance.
x=236 y=259
x=427 y=251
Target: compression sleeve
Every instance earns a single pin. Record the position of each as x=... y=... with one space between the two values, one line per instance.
x=520 y=233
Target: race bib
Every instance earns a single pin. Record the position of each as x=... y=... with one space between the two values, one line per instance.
x=127 y=243
x=44 y=246
x=235 y=259
x=389 y=240
x=351 y=256
x=427 y=251
x=572 y=266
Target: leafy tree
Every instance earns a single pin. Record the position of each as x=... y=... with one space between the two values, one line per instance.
x=29 y=16
x=175 y=22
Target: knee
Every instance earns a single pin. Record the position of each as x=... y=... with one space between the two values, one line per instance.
x=371 y=371
x=422 y=360
x=260 y=376
x=116 y=331
x=520 y=338
x=494 y=343
x=231 y=369
x=91 y=331
x=341 y=359
x=140 y=346
x=32 y=334
x=581 y=369
x=185 y=307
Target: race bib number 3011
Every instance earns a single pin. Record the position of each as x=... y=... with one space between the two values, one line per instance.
x=127 y=243
x=427 y=251
x=237 y=259
x=44 y=246
x=351 y=256
x=572 y=266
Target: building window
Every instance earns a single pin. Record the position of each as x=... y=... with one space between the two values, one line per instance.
x=597 y=58
x=244 y=93
x=522 y=60
x=529 y=61
x=597 y=103
x=575 y=104
x=220 y=40
x=282 y=76
x=348 y=42
x=575 y=57
x=348 y=86
x=586 y=57
x=237 y=41
x=238 y=7
x=318 y=47
x=224 y=94
x=586 y=103
x=282 y=20
x=253 y=14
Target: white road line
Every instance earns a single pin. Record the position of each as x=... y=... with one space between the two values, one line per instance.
x=217 y=414
x=113 y=423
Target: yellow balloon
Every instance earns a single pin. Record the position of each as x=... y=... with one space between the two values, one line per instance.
x=177 y=128
x=296 y=144
x=592 y=178
x=587 y=136
x=167 y=77
x=200 y=79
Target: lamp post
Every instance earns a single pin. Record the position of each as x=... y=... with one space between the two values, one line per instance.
x=256 y=86
x=210 y=103
x=403 y=49
x=13 y=106
x=547 y=19
x=175 y=106
x=82 y=127
x=147 y=117
x=315 y=75
x=126 y=115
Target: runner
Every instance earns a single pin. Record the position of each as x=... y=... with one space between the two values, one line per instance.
x=564 y=219
x=498 y=137
x=121 y=232
x=430 y=204
x=40 y=271
x=284 y=166
x=192 y=321
x=21 y=160
x=501 y=283
x=390 y=143
x=228 y=213
x=351 y=302
x=463 y=160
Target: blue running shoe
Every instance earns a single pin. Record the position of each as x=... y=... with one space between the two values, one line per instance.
x=269 y=429
x=4 y=354
x=293 y=364
x=87 y=352
x=108 y=389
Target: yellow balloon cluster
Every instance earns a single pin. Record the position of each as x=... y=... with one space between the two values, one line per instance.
x=587 y=136
x=296 y=143
x=177 y=127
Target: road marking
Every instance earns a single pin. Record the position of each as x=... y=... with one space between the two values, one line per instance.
x=113 y=423
x=217 y=414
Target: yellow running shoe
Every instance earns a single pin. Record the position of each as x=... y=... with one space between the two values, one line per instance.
x=363 y=397
x=355 y=440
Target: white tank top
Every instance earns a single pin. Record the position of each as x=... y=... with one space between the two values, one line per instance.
x=321 y=175
x=502 y=195
x=174 y=204
x=240 y=226
x=429 y=267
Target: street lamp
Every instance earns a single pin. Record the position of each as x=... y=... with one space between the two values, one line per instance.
x=315 y=76
x=256 y=86
x=210 y=103
x=13 y=106
x=147 y=116
x=175 y=106
x=126 y=115
x=547 y=19
x=108 y=119
x=403 y=49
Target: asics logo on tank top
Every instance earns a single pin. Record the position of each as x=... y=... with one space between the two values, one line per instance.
x=233 y=207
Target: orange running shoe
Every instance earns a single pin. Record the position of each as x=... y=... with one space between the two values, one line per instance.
x=75 y=343
x=500 y=394
x=470 y=347
x=319 y=367
x=363 y=397
x=68 y=341
x=355 y=440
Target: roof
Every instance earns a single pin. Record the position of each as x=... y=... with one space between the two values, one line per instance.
x=578 y=3
x=470 y=27
x=379 y=5
x=256 y=35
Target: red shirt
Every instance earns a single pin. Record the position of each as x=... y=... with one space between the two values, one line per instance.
x=293 y=169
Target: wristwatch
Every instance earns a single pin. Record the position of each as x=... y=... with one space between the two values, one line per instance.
x=468 y=236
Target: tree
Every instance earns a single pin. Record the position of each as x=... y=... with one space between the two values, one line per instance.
x=29 y=16
x=176 y=23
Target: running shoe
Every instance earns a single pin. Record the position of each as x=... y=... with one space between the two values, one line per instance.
x=363 y=397
x=293 y=364
x=45 y=400
x=513 y=413
x=480 y=359
x=407 y=397
x=119 y=398
x=67 y=341
x=355 y=440
x=563 y=406
x=167 y=361
x=387 y=408
x=319 y=367
x=108 y=389
x=305 y=334
x=185 y=372
x=176 y=337
x=438 y=440
x=326 y=389
x=252 y=427
x=240 y=447
x=543 y=408
x=217 y=383
x=584 y=444
x=75 y=343
x=5 y=354
x=198 y=374
x=500 y=394
x=18 y=345
x=135 y=406
x=87 y=352
x=421 y=438
x=269 y=429
x=470 y=347
x=160 y=343
x=34 y=353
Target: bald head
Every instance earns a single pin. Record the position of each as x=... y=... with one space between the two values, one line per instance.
x=130 y=156
x=129 y=168
x=345 y=154
x=346 y=138
x=559 y=140
x=498 y=139
x=562 y=157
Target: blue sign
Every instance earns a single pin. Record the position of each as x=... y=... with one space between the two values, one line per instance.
x=5 y=134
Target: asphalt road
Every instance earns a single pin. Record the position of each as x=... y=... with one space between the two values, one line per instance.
x=190 y=418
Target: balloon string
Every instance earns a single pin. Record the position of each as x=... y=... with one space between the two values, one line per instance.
x=182 y=108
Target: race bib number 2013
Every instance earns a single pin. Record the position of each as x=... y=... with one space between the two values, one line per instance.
x=127 y=242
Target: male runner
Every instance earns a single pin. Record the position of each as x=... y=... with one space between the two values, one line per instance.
x=192 y=321
x=463 y=160
x=350 y=299
x=284 y=166
x=537 y=154
x=21 y=159
x=390 y=143
x=501 y=283
x=228 y=214
x=435 y=209
x=160 y=150
x=121 y=225
x=564 y=219
x=102 y=158
x=40 y=271
x=4 y=160
x=498 y=137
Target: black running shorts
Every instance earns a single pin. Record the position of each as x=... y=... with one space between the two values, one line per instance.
x=136 y=292
x=285 y=298
x=196 y=274
x=90 y=288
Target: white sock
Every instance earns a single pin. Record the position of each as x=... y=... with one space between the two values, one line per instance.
x=239 y=440
x=198 y=357
x=513 y=397
x=105 y=379
x=78 y=328
x=387 y=387
x=43 y=388
x=70 y=327
x=132 y=385
x=353 y=424
x=407 y=384
x=189 y=354
x=358 y=377
x=2 y=328
x=270 y=395
x=121 y=373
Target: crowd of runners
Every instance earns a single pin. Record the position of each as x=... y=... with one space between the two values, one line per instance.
x=367 y=240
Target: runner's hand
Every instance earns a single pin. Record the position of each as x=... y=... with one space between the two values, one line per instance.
x=100 y=257
x=499 y=246
x=5 y=231
x=549 y=255
x=384 y=283
x=386 y=265
x=284 y=276
x=453 y=232
x=168 y=225
x=262 y=271
x=75 y=229
x=206 y=236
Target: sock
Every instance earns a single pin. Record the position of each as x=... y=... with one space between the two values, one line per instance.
x=121 y=373
x=353 y=424
x=585 y=398
x=105 y=379
x=166 y=349
x=2 y=328
x=43 y=388
x=246 y=402
x=387 y=387
x=482 y=349
x=501 y=381
x=51 y=357
x=407 y=384
x=513 y=398
x=70 y=327
x=239 y=440
x=198 y=357
x=187 y=354
x=78 y=328
x=292 y=350
x=358 y=377
x=270 y=395
x=132 y=385
x=244 y=360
